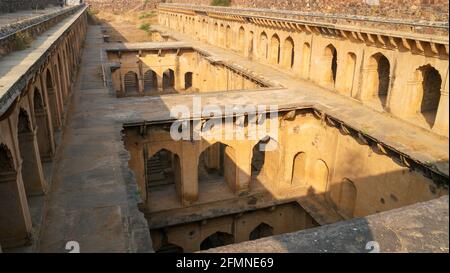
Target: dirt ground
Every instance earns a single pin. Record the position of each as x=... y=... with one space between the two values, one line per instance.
x=131 y=26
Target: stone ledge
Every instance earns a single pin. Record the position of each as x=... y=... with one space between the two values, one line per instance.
x=422 y=227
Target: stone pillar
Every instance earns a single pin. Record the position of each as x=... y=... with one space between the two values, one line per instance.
x=15 y=219
x=441 y=122
x=45 y=138
x=243 y=167
x=137 y=164
x=33 y=177
x=189 y=172
x=159 y=83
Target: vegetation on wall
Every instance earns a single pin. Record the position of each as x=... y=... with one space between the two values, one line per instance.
x=22 y=41
x=224 y=3
x=145 y=27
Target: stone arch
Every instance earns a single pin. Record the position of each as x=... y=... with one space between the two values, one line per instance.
x=427 y=93
x=31 y=169
x=378 y=78
x=250 y=47
x=264 y=155
x=42 y=124
x=228 y=37
x=299 y=169
x=131 y=82
x=163 y=168
x=330 y=68
x=150 y=81
x=15 y=220
x=217 y=239
x=52 y=99
x=263 y=46
x=349 y=73
x=168 y=80
x=288 y=53
x=6 y=160
x=319 y=177
x=62 y=76
x=275 y=49
x=188 y=80
x=215 y=33
x=306 y=54
x=347 y=198
x=218 y=163
x=241 y=40
x=261 y=231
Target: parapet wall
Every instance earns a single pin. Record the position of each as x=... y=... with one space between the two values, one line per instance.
x=9 y=34
x=7 y=6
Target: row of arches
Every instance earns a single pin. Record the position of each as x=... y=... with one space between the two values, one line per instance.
x=218 y=239
x=151 y=82
x=418 y=101
x=30 y=143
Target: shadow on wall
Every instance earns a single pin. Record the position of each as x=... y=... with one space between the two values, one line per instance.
x=330 y=192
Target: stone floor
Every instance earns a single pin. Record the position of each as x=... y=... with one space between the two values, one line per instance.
x=93 y=199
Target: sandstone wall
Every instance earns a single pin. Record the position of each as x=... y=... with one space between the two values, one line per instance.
x=123 y=5
x=435 y=10
x=14 y=5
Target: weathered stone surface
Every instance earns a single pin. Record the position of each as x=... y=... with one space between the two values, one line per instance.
x=421 y=227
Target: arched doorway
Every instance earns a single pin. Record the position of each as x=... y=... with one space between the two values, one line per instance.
x=217 y=164
x=168 y=80
x=349 y=76
x=428 y=93
x=378 y=79
x=288 y=53
x=228 y=37
x=306 y=54
x=261 y=231
x=330 y=65
x=319 y=178
x=263 y=46
x=299 y=170
x=347 y=198
x=275 y=49
x=150 y=81
x=217 y=239
x=131 y=83
x=264 y=158
x=163 y=170
x=188 y=77
x=241 y=41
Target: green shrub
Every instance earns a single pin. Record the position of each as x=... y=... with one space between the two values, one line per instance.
x=145 y=27
x=224 y=3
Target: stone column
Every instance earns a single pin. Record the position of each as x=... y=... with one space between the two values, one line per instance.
x=15 y=219
x=441 y=122
x=33 y=177
x=189 y=172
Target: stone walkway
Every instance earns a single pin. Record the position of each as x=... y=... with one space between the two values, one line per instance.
x=93 y=199
x=14 y=17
